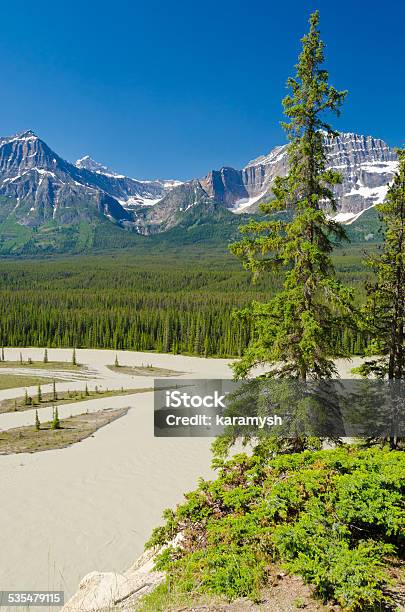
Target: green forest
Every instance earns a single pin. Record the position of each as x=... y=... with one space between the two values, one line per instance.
x=180 y=303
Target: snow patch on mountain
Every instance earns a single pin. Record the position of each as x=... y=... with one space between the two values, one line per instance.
x=244 y=203
x=378 y=167
x=133 y=201
x=373 y=193
x=349 y=218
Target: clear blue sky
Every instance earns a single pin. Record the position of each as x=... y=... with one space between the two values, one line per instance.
x=172 y=89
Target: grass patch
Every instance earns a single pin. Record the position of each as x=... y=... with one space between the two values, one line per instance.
x=62 y=397
x=72 y=430
x=50 y=365
x=144 y=371
x=11 y=381
x=163 y=598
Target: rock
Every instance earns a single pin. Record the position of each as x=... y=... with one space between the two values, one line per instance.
x=42 y=186
x=102 y=591
x=37 y=186
x=367 y=166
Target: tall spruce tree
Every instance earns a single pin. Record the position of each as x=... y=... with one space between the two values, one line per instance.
x=385 y=309
x=293 y=333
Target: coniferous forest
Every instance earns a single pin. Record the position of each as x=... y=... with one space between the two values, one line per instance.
x=179 y=304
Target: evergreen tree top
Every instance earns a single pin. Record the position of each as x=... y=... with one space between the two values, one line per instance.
x=311 y=92
x=293 y=333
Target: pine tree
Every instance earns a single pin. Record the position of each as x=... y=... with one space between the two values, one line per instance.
x=37 y=422
x=55 y=424
x=2 y=353
x=39 y=394
x=74 y=361
x=116 y=362
x=86 y=391
x=21 y=358
x=198 y=338
x=166 y=334
x=26 y=398
x=293 y=333
x=206 y=346
x=54 y=394
x=46 y=356
x=385 y=310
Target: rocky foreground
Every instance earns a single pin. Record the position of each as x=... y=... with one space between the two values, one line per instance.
x=99 y=591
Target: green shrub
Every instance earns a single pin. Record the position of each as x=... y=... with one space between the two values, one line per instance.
x=334 y=517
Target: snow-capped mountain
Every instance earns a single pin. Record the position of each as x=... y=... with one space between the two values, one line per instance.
x=40 y=186
x=128 y=191
x=88 y=163
x=367 y=166
x=37 y=186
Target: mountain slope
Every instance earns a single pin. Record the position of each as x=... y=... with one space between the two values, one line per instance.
x=367 y=166
x=50 y=205
x=130 y=192
x=44 y=187
x=182 y=203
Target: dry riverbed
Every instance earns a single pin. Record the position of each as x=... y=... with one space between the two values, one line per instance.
x=91 y=506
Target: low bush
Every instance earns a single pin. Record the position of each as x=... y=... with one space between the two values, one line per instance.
x=335 y=517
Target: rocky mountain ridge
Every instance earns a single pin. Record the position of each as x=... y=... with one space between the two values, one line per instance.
x=367 y=166
x=41 y=186
x=128 y=191
x=37 y=186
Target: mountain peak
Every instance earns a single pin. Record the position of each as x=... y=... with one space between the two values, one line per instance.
x=26 y=134
x=88 y=163
x=20 y=136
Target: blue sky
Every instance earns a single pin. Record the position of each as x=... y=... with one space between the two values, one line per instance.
x=172 y=89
